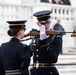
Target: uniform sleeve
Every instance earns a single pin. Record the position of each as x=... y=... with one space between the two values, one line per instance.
x=2 y=71
x=55 y=48
x=24 y=55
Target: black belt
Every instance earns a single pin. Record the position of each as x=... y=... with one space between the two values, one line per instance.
x=43 y=65
x=12 y=72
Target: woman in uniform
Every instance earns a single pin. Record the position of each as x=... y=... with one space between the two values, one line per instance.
x=15 y=56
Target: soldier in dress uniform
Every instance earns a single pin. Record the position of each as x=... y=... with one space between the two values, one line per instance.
x=15 y=56
x=45 y=48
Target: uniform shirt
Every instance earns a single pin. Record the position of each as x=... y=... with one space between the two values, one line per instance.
x=15 y=56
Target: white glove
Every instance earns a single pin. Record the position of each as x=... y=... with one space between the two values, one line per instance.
x=43 y=33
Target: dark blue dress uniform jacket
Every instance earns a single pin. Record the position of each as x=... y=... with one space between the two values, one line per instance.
x=2 y=71
x=46 y=51
x=15 y=56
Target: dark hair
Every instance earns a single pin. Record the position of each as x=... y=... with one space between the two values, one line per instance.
x=13 y=31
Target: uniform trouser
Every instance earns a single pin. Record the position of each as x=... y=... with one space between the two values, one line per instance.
x=44 y=71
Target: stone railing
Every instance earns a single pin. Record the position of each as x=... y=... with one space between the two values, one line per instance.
x=20 y=12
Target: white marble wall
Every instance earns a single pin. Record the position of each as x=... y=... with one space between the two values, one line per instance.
x=19 y=12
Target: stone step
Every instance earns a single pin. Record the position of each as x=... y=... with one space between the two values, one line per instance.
x=67 y=59
x=68 y=73
x=66 y=64
x=69 y=50
x=67 y=70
